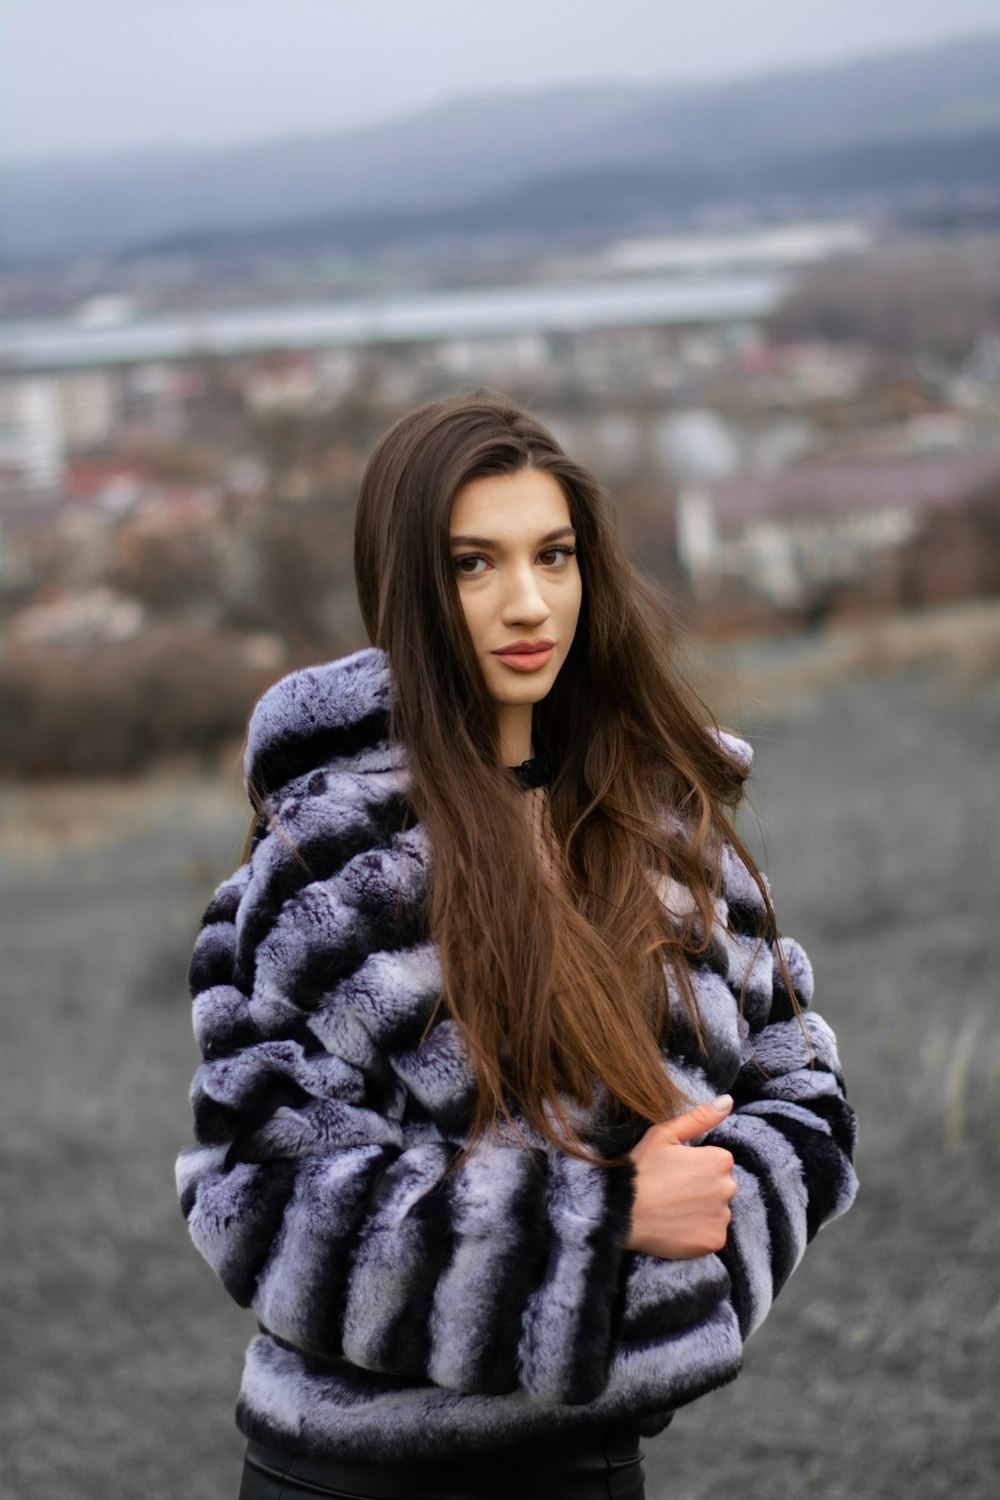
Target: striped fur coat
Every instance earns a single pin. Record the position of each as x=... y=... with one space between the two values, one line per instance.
x=404 y=1317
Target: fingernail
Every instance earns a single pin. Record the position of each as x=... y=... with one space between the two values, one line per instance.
x=722 y=1103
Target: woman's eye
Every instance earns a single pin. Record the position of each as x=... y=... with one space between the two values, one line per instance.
x=470 y=558
x=560 y=555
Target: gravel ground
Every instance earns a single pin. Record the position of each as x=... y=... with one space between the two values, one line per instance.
x=876 y=1373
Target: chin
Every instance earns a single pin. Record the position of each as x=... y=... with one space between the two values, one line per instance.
x=534 y=697
x=526 y=690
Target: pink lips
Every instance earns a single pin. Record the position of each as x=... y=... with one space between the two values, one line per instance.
x=526 y=656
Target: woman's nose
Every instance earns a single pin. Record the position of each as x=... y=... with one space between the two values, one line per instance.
x=524 y=599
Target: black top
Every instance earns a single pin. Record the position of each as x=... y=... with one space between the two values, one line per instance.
x=536 y=771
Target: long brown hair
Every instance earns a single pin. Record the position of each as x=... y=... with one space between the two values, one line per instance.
x=554 y=985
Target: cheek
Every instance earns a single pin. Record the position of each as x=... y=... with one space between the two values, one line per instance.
x=475 y=609
x=573 y=600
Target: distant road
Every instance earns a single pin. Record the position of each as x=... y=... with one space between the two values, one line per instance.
x=480 y=313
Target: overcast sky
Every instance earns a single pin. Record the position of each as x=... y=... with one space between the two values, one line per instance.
x=102 y=75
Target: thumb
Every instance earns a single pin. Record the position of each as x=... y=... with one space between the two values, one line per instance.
x=699 y=1119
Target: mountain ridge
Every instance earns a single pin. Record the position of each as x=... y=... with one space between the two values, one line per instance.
x=462 y=150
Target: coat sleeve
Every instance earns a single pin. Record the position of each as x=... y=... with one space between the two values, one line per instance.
x=317 y=1189
x=791 y=1131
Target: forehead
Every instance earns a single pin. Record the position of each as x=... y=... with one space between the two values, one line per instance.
x=505 y=506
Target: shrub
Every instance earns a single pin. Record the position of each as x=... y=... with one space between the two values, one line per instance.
x=114 y=707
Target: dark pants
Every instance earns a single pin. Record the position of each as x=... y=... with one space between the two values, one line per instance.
x=605 y=1463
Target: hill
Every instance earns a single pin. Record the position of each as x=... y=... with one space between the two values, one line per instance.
x=841 y=128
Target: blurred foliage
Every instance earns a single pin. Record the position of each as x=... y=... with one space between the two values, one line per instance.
x=903 y=299
x=175 y=689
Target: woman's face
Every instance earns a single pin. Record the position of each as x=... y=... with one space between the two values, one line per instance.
x=519 y=585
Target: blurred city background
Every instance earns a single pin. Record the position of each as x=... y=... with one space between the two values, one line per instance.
x=745 y=261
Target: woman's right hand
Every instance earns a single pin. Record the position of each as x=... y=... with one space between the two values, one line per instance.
x=682 y=1192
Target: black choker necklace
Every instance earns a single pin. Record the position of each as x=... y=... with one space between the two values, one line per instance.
x=536 y=771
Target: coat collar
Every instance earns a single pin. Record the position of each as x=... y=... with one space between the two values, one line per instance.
x=316 y=714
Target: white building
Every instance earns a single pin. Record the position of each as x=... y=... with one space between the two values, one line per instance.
x=788 y=535
x=31 y=436
x=89 y=407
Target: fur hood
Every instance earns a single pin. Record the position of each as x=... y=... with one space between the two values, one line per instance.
x=403 y=1313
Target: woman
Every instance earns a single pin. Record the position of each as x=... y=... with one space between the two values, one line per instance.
x=513 y=1117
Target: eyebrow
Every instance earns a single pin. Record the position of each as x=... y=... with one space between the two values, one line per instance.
x=485 y=541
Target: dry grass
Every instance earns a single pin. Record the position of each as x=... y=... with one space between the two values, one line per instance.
x=765 y=679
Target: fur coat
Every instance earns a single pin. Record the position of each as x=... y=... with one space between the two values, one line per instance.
x=401 y=1317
